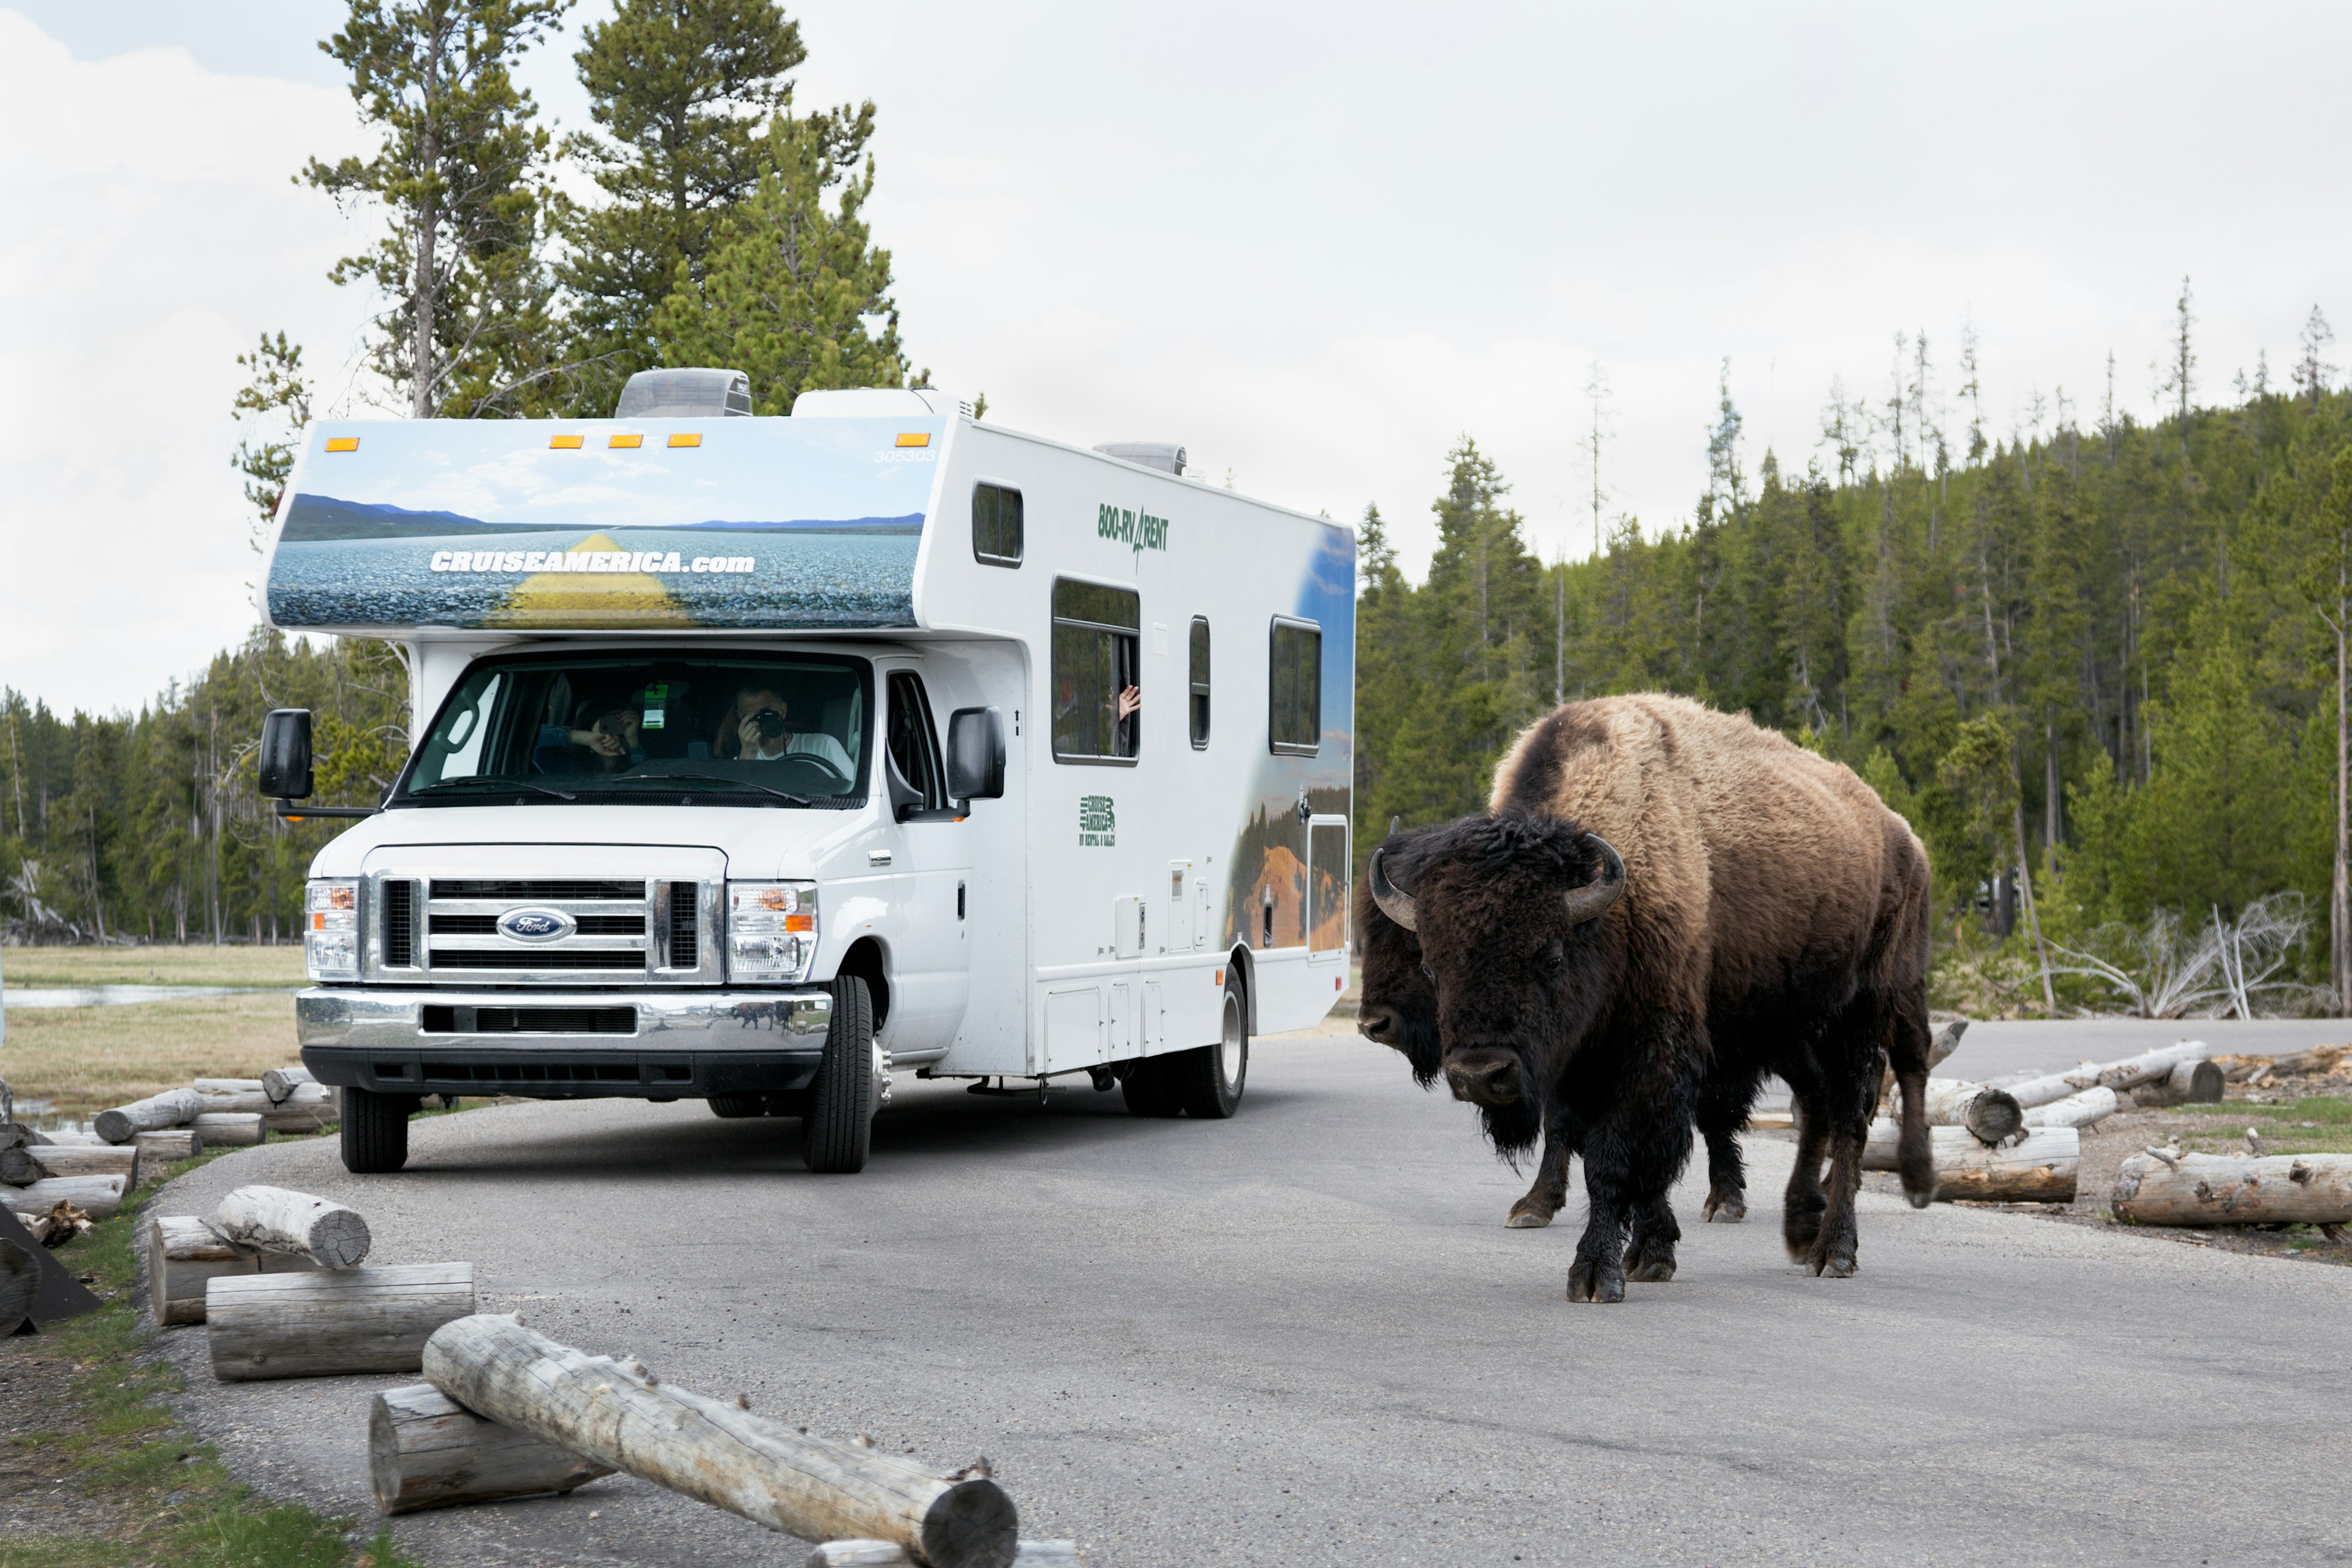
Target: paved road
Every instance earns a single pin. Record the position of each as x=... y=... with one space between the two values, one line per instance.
x=1302 y=1337
x=1989 y=1049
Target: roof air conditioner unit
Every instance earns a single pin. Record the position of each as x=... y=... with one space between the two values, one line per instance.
x=685 y=395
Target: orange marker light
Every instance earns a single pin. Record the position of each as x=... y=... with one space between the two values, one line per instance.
x=687 y=438
x=799 y=922
x=914 y=438
x=563 y=443
x=342 y=443
x=629 y=441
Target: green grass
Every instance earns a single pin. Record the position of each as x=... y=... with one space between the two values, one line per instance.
x=117 y=1440
x=2321 y=1124
x=191 y=965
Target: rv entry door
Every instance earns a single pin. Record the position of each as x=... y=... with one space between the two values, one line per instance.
x=930 y=962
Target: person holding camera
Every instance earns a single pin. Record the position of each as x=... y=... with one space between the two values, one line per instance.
x=760 y=732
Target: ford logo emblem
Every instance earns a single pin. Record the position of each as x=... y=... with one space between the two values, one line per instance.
x=537 y=925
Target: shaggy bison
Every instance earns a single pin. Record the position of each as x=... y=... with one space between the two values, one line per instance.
x=1667 y=904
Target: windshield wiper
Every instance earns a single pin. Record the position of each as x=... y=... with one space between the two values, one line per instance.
x=500 y=786
x=746 y=783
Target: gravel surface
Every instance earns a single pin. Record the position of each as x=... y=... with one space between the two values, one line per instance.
x=1304 y=1337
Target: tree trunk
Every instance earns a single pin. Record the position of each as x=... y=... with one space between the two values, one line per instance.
x=279 y=1082
x=157 y=1150
x=1992 y=1114
x=2092 y=1106
x=2199 y=1083
x=2149 y=1066
x=98 y=1197
x=307 y=1108
x=333 y=1321
x=2235 y=1189
x=185 y=1254
x=172 y=1108
x=2040 y=1169
x=229 y=1129
x=764 y=1470
x=272 y=1219
x=23 y=1167
x=236 y=1102
x=226 y=1084
x=427 y=1450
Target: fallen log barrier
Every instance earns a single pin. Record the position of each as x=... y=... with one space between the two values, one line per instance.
x=184 y=1254
x=890 y=1554
x=332 y=1321
x=157 y=1150
x=226 y=1084
x=619 y=1413
x=233 y=1102
x=99 y=1198
x=308 y=1107
x=2149 y=1066
x=427 y=1450
x=1992 y=1114
x=2160 y=1187
x=274 y=1219
x=2039 y=1168
x=279 y=1082
x=172 y=1108
x=229 y=1129
x=73 y=1136
x=2092 y=1106
x=23 y=1167
x=2197 y=1082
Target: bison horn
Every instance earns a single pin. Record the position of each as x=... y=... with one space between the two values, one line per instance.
x=1397 y=906
x=1589 y=902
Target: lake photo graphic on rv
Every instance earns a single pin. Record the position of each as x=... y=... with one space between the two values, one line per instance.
x=648 y=524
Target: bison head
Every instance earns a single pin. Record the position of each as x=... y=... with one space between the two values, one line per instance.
x=1397 y=1006
x=1506 y=912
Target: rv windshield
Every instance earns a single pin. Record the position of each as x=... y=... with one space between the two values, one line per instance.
x=728 y=730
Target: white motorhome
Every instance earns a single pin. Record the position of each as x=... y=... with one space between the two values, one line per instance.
x=756 y=758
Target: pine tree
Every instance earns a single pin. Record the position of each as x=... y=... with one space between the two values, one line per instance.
x=460 y=176
x=790 y=285
x=272 y=409
x=2312 y=370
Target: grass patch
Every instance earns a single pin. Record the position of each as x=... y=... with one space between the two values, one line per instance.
x=153 y=965
x=86 y=1058
x=115 y=1440
x=2317 y=1125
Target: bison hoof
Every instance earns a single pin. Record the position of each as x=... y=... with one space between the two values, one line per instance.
x=1833 y=1268
x=1920 y=1200
x=1525 y=1218
x=1652 y=1271
x=1589 y=1281
x=1726 y=1211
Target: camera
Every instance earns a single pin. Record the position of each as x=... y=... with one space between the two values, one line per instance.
x=770 y=723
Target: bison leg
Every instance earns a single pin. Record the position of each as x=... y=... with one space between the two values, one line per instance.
x=1632 y=1159
x=1650 y=1250
x=1833 y=1248
x=1722 y=1111
x=1906 y=1050
x=1550 y=1193
x=1802 y=1206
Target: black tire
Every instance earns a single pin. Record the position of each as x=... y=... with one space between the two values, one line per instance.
x=1208 y=1079
x=731 y=1106
x=375 y=1132
x=1144 y=1085
x=837 y=1132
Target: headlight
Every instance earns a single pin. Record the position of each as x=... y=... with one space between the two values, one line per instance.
x=771 y=930
x=331 y=928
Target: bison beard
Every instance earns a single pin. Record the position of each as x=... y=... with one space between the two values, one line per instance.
x=1777 y=922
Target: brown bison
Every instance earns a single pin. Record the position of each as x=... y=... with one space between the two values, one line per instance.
x=1667 y=904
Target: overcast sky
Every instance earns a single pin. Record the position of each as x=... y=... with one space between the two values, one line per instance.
x=1317 y=244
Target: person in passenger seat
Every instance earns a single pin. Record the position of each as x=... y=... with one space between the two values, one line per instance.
x=756 y=730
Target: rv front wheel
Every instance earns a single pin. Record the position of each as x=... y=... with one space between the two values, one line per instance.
x=375 y=1132
x=837 y=1129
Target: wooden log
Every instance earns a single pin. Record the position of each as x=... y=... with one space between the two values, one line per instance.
x=157 y=1150
x=2317 y=1060
x=427 y=1450
x=890 y=1554
x=20 y=1281
x=2053 y=1086
x=279 y=1082
x=2041 y=1168
x=185 y=1254
x=238 y=1103
x=226 y=1086
x=621 y=1415
x=308 y=1108
x=229 y=1131
x=333 y=1321
x=1992 y=1114
x=2088 y=1109
x=275 y=1219
x=23 y=1167
x=2234 y=1189
x=172 y=1108
x=100 y=1197
x=2198 y=1081
x=2149 y=1066
x=69 y=1135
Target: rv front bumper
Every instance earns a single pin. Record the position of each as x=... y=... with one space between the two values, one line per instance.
x=639 y=1045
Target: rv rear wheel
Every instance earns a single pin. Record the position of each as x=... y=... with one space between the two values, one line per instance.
x=375 y=1132
x=837 y=1129
x=1144 y=1085
x=1208 y=1079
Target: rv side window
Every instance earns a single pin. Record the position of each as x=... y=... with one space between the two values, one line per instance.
x=996 y=530
x=1200 y=682
x=1095 y=664
x=1294 y=694
x=914 y=744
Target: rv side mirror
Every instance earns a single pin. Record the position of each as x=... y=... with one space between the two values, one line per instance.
x=285 y=761
x=976 y=753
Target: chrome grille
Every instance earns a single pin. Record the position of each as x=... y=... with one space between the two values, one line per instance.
x=431 y=915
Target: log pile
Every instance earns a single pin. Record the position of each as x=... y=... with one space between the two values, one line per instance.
x=2164 y=1187
x=185 y=1254
x=97 y=1197
x=220 y=1112
x=332 y=1321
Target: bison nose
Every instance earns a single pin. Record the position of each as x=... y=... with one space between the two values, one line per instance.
x=1376 y=1022
x=1484 y=1077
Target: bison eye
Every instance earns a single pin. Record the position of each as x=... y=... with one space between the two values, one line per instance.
x=1429 y=974
x=1555 y=959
